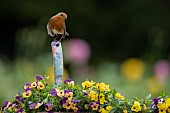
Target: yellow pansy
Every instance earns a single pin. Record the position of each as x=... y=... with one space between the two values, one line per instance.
x=69 y=95
x=40 y=86
x=71 y=83
x=95 y=106
x=67 y=105
x=27 y=94
x=93 y=95
x=15 y=107
x=162 y=107
x=87 y=84
x=102 y=98
x=136 y=107
x=27 y=85
x=75 y=109
x=102 y=110
x=108 y=108
x=34 y=84
x=86 y=106
x=102 y=87
x=167 y=101
x=125 y=111
x=37 y=105
x=119 y=96
x=60 y=93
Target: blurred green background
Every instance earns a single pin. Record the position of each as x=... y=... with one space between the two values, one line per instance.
x=124 y=43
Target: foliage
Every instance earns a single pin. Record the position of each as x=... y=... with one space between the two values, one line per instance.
x=90 y=97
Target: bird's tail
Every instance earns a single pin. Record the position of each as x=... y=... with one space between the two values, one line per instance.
x=66 y=34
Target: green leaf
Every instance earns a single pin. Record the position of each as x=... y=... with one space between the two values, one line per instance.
x=148 y=96
x=163 y=93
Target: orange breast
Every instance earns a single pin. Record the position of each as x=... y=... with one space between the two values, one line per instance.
x=57 y=23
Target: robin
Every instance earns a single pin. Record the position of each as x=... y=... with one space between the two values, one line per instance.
x=56 y=26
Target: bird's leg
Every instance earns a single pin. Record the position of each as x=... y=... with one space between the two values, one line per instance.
x=62 y=37
x=55 y=37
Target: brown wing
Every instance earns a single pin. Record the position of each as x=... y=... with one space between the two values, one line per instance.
x=65 y=32
x=49 y=31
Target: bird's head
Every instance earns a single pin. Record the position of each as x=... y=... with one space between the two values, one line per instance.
x=62 y=14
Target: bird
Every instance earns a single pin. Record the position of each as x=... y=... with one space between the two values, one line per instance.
x=56 y=26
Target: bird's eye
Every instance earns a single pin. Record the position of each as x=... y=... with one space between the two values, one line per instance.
x=61 y=14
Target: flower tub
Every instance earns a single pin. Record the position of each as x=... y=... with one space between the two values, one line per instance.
x=90 y=96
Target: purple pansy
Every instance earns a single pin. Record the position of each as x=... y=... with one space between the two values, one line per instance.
x=94 y=103
x=67 y=91
x=28 y=89
x=85 y=93
x=19 y=98
x=39 y=77
x=5 y=103
x=49 y=106
x=68 y=80
x=20 y=110
x=78 y=109
x=34 y=105
x=75 y=101
x=63 y=101
x=27 y=85
x=53 y=92
x=155 y=102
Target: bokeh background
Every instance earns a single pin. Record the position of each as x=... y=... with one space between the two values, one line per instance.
x=124 y=43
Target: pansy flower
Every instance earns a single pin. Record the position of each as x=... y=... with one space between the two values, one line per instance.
x=67 y=104
x=10 y=107
x=119 y=96
x=20 y=111
x=102 y=87
x=154 y=104
x=93 y=95
x=68 y=94
x=33 y=85
x=27 y=85
x=35 y=105
x=16 y=107
x=136 y=107
x=162 y=107
x=40 y=86
x=74 y=102
x=102 y=98
x=102 y=110
x=95 y=105
x=5 y=105
x=87 y=84
x=39 y=78
x=27 y=93
x=124 y=110
x=85 y=92
x=69 y=82
x=49 y=106
x=75 y=109
x=86 y=105
x=108 y=108
x=161 y=100
x=53 y=92
x=60 y=93
x=167 y=102
x=63 y=101
x=144 y=107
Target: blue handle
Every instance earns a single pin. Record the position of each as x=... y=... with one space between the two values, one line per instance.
x=57 y=62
